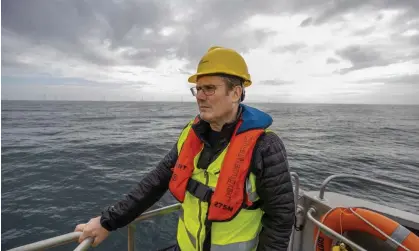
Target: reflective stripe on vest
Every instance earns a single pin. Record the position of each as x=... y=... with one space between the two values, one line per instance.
x=245 y=245
x=239 y=233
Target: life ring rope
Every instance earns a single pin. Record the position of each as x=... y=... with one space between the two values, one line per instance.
x=379 y=230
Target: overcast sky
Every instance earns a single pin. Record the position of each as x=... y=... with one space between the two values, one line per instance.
x=316 y=51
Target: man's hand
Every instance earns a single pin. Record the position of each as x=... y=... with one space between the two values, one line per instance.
x=92 y=229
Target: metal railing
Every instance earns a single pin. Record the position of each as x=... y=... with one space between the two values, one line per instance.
x=53 y=242
x=380 y=182
x=74 y=236
x=86 y=244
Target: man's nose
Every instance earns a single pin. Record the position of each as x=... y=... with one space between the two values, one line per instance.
x=201 y=95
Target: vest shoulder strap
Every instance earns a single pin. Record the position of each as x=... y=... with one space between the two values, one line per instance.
x=183 y=135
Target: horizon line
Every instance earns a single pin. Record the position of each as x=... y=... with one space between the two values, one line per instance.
x=189 y=101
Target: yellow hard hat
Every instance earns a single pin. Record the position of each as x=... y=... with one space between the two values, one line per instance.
x=222 y=60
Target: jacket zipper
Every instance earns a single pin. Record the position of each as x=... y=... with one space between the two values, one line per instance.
x=200 y=212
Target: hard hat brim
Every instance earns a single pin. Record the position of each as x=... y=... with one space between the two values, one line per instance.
x=193 y=78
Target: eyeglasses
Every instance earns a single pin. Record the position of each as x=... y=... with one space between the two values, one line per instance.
x=207 y=89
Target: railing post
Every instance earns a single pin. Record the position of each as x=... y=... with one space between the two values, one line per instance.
x=296 y=193
x=131 y=237
x=297 y=187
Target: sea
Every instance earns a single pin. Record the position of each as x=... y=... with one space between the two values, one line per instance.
x=62 y=162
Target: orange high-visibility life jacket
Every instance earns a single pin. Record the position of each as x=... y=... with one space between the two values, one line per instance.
x=229 y=195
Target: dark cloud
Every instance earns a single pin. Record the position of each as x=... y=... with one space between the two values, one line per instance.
x=70 y=27
x=77 y=28
x=66 y=26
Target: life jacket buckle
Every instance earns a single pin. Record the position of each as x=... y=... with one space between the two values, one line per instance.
x=200 y=190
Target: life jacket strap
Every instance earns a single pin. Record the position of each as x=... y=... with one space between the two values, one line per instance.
x=200 y=190
x=254 y=206
x=205 y=193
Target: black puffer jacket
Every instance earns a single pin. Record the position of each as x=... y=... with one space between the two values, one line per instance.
x=273 y=186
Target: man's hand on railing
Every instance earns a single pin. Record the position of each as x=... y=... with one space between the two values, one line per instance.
x=92 y=229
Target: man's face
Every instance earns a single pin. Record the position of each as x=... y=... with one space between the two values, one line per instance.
x=214 y=99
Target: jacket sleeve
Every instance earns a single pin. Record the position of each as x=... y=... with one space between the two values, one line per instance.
x=274 y=187
x=147 y=192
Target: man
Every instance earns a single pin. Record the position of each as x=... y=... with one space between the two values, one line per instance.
x=227 y=169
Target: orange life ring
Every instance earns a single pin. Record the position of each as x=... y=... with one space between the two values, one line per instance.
x=342 y=219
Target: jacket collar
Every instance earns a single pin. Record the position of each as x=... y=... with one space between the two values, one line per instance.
x=252 y=119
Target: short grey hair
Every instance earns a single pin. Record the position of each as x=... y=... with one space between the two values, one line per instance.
x=233 y=81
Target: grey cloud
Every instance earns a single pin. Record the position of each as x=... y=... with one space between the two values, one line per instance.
x=360 y=57
x=69 y=27
x=394 y=51
x=403 y=79
x=334 y=9
x=332 y=61
x=365 y=57
x=221 y=23
x=290 y=47
x=412 y=40
x=365 y=31
x=306 y=22
x=275 y=82
x=407 y=79
x=229 y=17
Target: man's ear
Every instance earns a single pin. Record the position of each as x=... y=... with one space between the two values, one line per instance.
x=238 y=90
